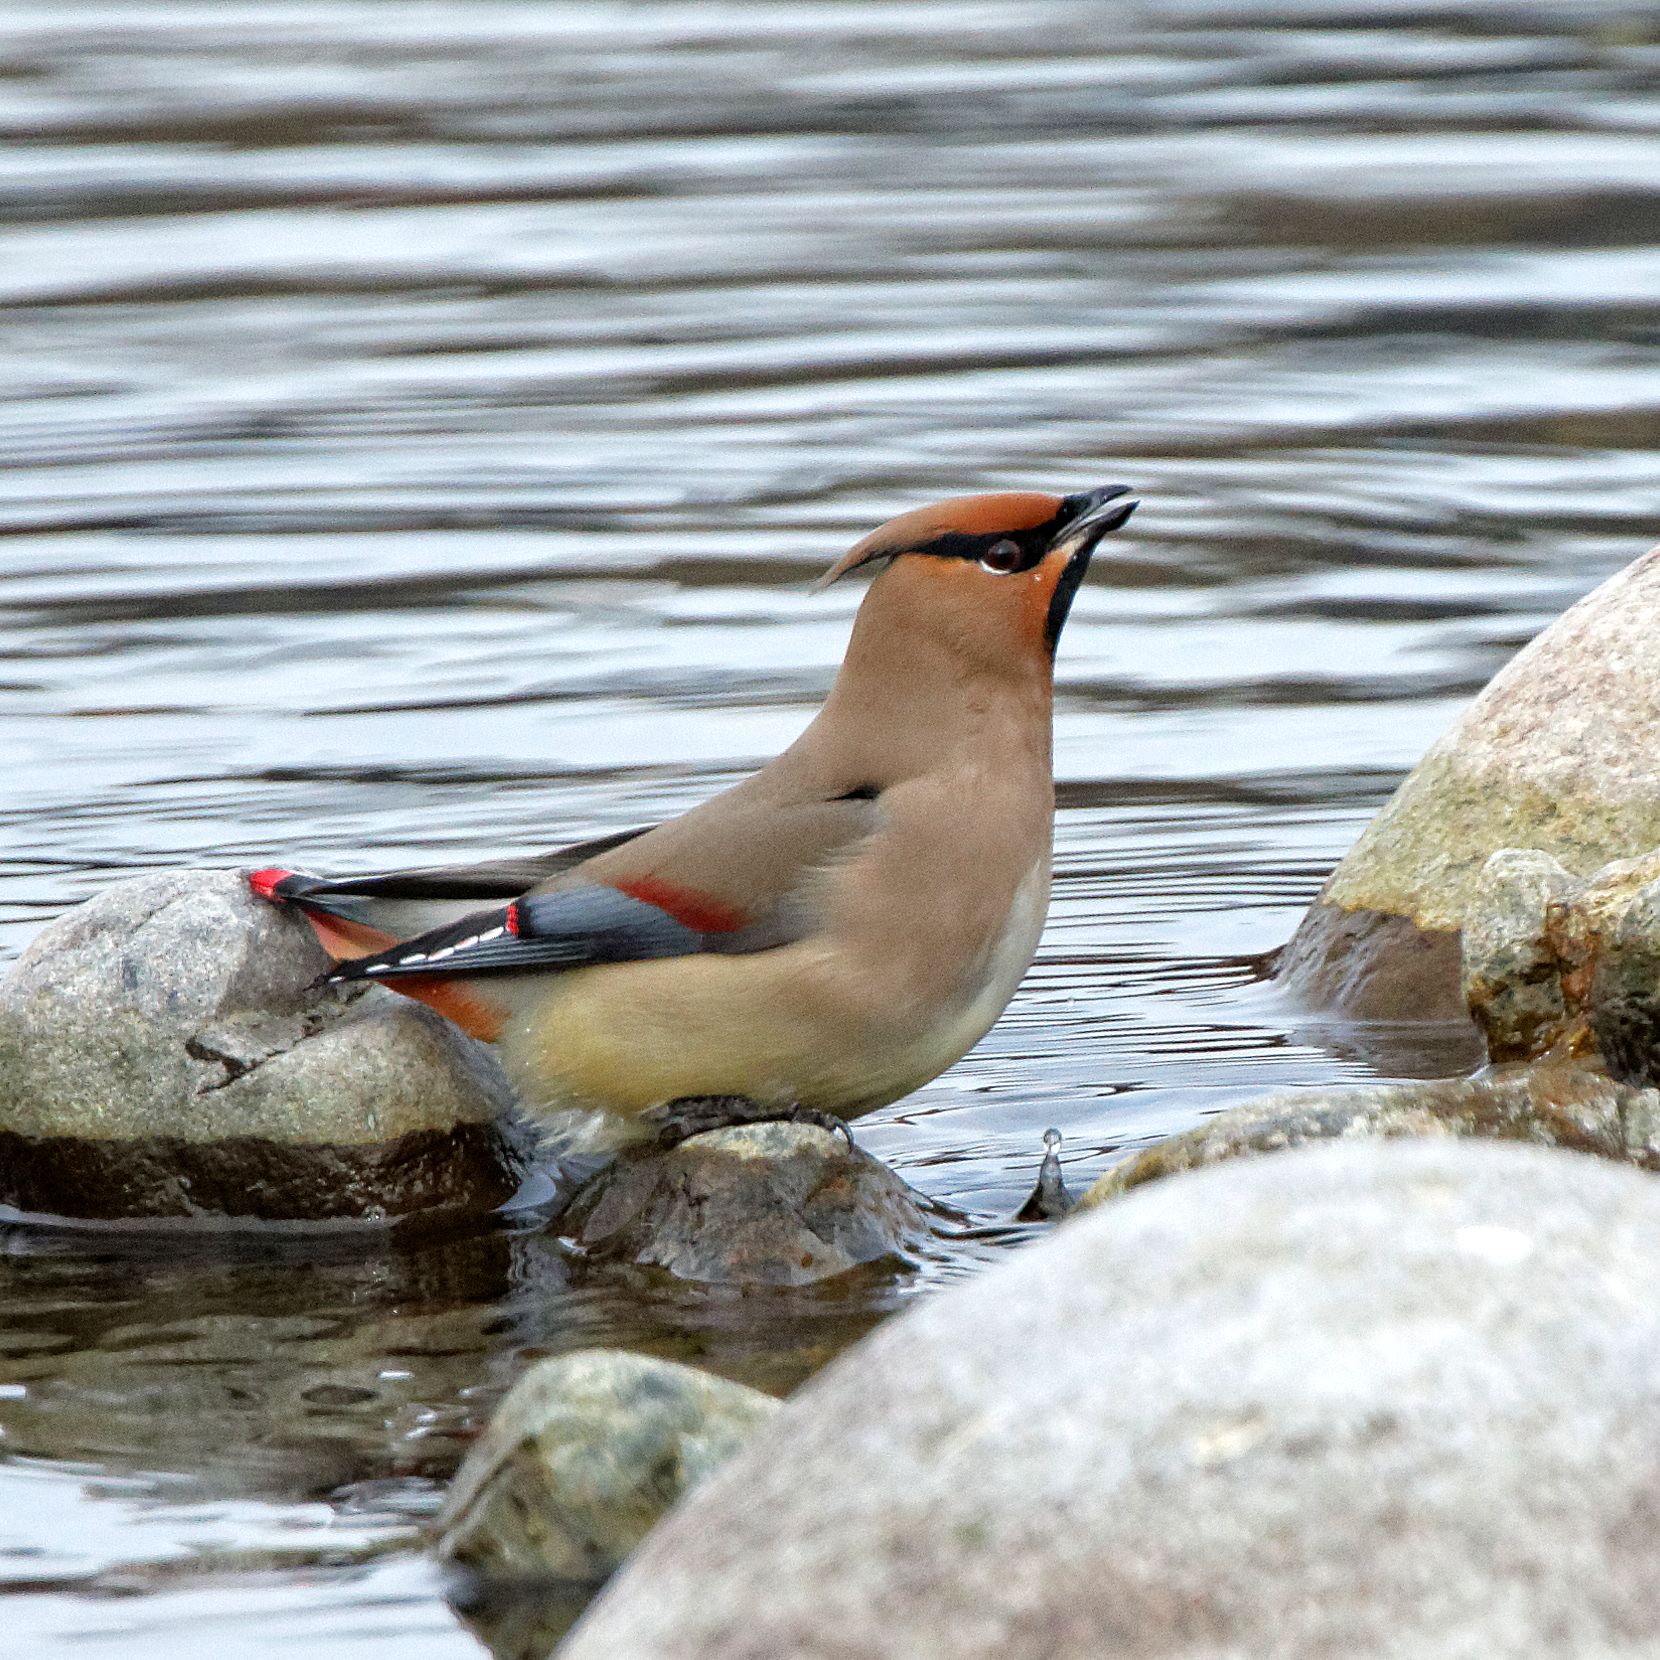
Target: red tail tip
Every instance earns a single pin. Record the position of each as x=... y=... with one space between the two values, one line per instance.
x=265 y=882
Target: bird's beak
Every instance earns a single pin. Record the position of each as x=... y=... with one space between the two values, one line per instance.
x=1094 y=514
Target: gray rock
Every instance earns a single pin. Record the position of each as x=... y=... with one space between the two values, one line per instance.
x=1560 y=1104
x=775 y=1204
x=163 y=1052
x=1385 y=1399
x=1561 y=753
x=583 y=1456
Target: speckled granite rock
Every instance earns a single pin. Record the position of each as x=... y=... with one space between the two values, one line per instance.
x=163 y=1053
x=1385 y=1399
x=775 y=1204
x=583 y=1455
x=1561 y=753
x=1548 y=1104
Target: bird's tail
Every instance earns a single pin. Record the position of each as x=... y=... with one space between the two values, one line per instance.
x=350 y=922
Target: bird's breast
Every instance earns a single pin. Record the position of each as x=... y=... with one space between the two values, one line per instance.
x=999 y=974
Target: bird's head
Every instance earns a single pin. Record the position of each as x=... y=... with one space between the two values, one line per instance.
x=994 y=576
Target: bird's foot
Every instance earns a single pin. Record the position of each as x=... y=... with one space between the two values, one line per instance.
x=824 y=1121
x=679 y=1120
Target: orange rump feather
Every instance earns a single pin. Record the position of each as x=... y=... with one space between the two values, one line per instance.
x=454 y=1001
x=343 y=940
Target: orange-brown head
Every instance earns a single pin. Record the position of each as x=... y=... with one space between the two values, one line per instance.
x=994 y=574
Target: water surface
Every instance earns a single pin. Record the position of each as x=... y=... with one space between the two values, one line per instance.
x=421 y=425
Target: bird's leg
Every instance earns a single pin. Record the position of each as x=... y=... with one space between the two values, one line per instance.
x=689 y=1115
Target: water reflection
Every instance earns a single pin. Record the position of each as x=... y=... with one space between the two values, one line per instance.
x=422 y=423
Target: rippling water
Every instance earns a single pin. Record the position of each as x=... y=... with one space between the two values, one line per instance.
x=422 y=420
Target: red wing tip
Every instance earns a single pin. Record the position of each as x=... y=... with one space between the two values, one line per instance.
x=266 y=882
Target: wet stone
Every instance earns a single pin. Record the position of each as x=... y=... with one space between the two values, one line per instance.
x=1373 y=966
x=1374 y=1399
x=774 y=1204
x=1550 y=1104
x=164 y=1052
x=582 y=1457
x=1560 y=753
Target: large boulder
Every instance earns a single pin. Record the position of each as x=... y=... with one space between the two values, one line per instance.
x=769 y=1204
x=164 y=1052
x=1560 y=753
x=583 y=1456
x=1380 y=1399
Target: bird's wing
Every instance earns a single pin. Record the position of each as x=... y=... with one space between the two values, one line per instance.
x=397 y=904
x=744 y=881
x=568 y=928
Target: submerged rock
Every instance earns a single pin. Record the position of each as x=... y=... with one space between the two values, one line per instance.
x=776 y=1204
x=164 y=1053
x=1560 y=753
x=1383 y=1399
x=583 y=1455
x=1549 y=1104
x=274 y=1362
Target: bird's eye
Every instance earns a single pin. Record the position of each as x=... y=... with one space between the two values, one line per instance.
x=1001 y=557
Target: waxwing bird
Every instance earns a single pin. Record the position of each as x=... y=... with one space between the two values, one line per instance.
x=823 y=937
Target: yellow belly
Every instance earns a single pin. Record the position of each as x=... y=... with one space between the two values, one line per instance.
x=629 y=1036
x=795 y=1026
